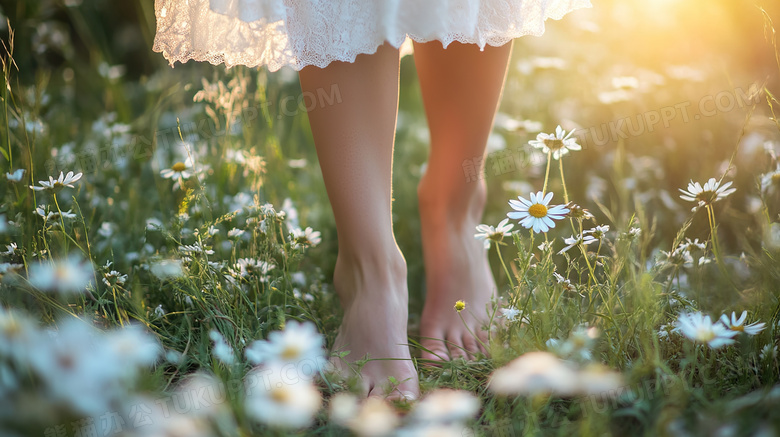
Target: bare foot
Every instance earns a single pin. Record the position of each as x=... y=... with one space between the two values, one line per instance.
x=456 y=268
x=374 y=296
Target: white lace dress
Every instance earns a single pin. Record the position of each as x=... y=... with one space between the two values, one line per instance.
x=297 y=33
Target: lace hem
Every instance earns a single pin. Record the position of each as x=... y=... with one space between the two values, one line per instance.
x=320 y=32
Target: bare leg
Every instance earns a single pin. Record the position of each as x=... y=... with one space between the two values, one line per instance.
x=461 y=87
x=354 y=141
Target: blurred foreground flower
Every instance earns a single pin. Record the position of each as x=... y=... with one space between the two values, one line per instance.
x=280 y=401
x=297 y=343
x=536 y=213
x=62 y=276
x=372 y=417
x=699 y=327
x=446 y=405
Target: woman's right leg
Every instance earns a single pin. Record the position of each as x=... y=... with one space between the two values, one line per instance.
x=354 y=139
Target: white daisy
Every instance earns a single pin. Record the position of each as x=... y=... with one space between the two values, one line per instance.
x=536 y=213
x=307 y=237
x=61 y=276
x=114 y=278
x=699 y=327
x=576 y=241
x=247 y=266
x=11 y=249
x=179 y=170
x=56 y=185
x=282 y=402
x=235 y=233
x=296 y=343
x=371 y=418
x=598 y=232
x=739 y=325
x=488 y=233
x=708 y=194
x=558 y=143
x=446 y=405
x=565 y=283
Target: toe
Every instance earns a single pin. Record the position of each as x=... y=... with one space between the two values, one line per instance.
x=433 y=349
x=455 y=346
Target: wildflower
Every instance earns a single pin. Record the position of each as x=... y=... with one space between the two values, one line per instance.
x=535 y=373
x=710 y=193
x=768 y=352
x=307 y=237
x=248 y=266
x=159 y=311
x=558 y=143
x=166 y=269
x=598 y=232
x=11 y=249
x=489 y=233
x=699 y=327
x=235 y=233
x=56 y=185
x=16 y=176
x=769 y=180
x=536 y=213
x=510 y=313
x=106 y=229
x=222 y=350
x=446 y=405
x=179 y=170
x=373 y=417
x=114 y=278
x=296 y=343
x=282 y=402
x=565 y=283
x=195 y=249
x=460 y=306
x=599 y=379
x=578 y=346
x=738 y=325
x=53 y=216
x=634 y=232
x=578 y=212
x=64 y=276
x=544 y=247
x=576 y=241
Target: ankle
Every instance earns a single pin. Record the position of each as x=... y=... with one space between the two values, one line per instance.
x=369 y=271
x=459 y=202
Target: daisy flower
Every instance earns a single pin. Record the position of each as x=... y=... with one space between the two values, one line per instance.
x=282 y=402
x=535 y=373
x=296 y=343
x=64 y=276
x=113 y=278
x=369 y=418
x=576 y=241
x=306 y=237
x=738 y=325
x=510 y=313
x=699 y=327
x=222 y=350
x=536 y=213
x=446 y=405
x=558 y=143
x=235 y=233
x=488 y=233
x=598 y=232
x=578 y=212
x=179 y=170
x=708 y=194
x=56 y=185
x=768 y=352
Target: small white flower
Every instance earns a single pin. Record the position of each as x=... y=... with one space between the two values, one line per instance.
x=179 y=170
x=534 y=373
x=488 y=233
x=371 y=418
x=56 y=185
x=565 y=283
x=168 y=268
x=510 y=313
x=598 y=232
x=536 y=213
x=114 y=278
x=53 y=217
x=296 y=343
x=699 y=327
x=11 y=249
x=768 y=352
x=194 y=249
x=739 y=325
x=62 y=276
x=446 y=405
x=558 y=143
x=235 y=233
x=159 y=311
x=307 y=237
x=222 y=350
x=576 y=241
x=281 y=402
x=247 y=266
x=710 y=193
x=16 y=176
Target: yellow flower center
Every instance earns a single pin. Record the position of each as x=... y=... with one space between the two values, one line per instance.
x=460 y=306
x=290 y=353
x=537 y=210
x=553 y=144
x=280 y=395
x=738 y=328
x=706 y=196
x=179 y=166
x=776 y=178
x=705 y=335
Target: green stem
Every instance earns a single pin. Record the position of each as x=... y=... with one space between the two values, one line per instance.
x=547 y=172
x=506 y=270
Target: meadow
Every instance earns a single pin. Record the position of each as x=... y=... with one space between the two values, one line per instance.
x=169 y=244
